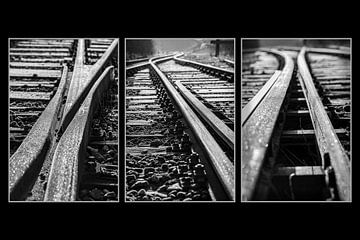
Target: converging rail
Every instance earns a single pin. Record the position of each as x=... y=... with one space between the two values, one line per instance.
x=59 y=137
x=219 y=72
x=258 y=129
x=70 y=152
x=328 y=142
x=223 y=166
x=168 y=94
x=294 y=130
x=63 y=180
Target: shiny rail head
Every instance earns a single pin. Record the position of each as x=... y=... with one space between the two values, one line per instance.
x=259 y=128
x=25 y=164
x=222 y=165
x=96 y=70
x=256 y=100
x=136 y=67
x=63 y=180
x=206 y=66
x=326 y=136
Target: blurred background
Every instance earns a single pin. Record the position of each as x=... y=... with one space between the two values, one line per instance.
x=325 y=43
x=211 y=47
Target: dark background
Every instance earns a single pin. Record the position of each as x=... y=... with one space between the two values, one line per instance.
x=181 y=20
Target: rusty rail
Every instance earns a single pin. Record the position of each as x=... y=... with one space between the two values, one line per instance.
x=219 y=72
x=80 y=90
x=257 y=131
x=222 y=165
x=70 y=151
x=25 y=164
x=326 y=137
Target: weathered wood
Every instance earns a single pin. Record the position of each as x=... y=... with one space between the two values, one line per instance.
x=34 y=65
x=16 y=130
x=229 y=90
x=211 y=87
x=46 y=60
x=44 y=45
x=203 y=82
x=223 y=99
x=146 y=150
x=98 y=50
x=32 y=84
x=138 y=123
x=66 y=50
x=141 y=97
x=299 y=171
x=229 y=95
x=37 y=54
x=16 y=72
x=150 y=113
x=140 y=88
x=142 y=107
x=32 y=96
x=142 y=101
x=144 y=136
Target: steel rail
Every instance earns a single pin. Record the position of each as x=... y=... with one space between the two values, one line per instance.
x=326 y=137
x=256 y=100
x=137 y=67
x=70 y=152
x=218 y=159
x=232 y=63
x=225 y=133
x=224 y=73
x=316 y=50
x=328 y=51
x=25 y=164
x=258 y=130
x=222 y=130
x=79 y=93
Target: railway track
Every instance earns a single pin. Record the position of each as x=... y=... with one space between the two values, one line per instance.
x=51 y=163
x=36 y=70
x=296 y=125
x=179 y=131
x=219 y=62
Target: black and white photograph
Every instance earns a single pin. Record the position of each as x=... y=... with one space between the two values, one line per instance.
x=296 y=120
x=180 y=120
x=63 y=119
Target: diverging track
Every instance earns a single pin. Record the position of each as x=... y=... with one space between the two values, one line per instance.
x=296 y=130
x=179 y=143
x=48 y=164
